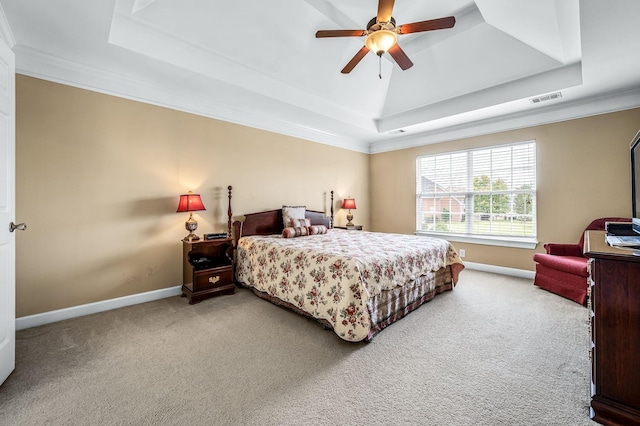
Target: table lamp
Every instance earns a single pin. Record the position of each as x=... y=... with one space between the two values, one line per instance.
x=350 y=204
x=190 y=202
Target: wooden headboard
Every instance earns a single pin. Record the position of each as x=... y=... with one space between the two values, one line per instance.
x=270 y=222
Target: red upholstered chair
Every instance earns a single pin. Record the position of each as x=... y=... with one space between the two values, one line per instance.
x=563 y=269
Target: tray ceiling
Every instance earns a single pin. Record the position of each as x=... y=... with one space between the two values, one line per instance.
x=261 y=65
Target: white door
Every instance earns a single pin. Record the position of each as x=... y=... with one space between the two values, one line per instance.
x=7 y=213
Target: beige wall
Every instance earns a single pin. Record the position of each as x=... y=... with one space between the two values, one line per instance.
x=583 y=173
x=98 y=179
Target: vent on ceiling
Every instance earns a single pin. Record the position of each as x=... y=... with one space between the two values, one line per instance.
x=397 y=132
x=544 y=98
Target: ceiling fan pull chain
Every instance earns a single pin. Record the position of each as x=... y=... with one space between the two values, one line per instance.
x=380 y=66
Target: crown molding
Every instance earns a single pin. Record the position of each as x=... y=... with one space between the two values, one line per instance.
x=38 y=64
x=44 y=66
x=582 y=108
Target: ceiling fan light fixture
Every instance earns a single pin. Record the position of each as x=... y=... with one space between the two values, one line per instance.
x=382 y=36
x=381 y=41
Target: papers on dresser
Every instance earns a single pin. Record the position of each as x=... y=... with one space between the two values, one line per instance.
x=623 y=241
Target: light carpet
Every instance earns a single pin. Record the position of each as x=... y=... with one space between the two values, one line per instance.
x=495 y=351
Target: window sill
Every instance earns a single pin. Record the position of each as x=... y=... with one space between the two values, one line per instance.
x=524 y=243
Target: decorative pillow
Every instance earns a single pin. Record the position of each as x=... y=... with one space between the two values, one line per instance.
x=317 y=229
x=292 y=212
x=291 y=232
x=300 y=223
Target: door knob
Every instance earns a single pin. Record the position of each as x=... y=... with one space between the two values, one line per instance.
x=19 y=227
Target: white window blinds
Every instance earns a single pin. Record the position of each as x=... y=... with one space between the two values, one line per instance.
x=486 y=192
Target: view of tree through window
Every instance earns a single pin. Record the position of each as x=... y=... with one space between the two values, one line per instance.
x=487 y=191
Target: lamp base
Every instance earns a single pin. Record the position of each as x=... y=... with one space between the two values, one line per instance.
x=349 y=219
x=191 y=225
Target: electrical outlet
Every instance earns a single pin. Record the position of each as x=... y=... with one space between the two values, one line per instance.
x=461 y=252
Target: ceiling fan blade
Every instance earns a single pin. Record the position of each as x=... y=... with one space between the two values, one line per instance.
x=355 y=60
x=432 y=24
x=400 y=57
x=385 y=9
x=340 y=33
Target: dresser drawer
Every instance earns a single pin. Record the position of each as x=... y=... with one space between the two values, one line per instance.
x=212 y=278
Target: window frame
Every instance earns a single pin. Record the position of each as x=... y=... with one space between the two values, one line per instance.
x=528 y=242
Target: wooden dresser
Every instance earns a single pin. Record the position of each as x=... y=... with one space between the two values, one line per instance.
x=615 y=331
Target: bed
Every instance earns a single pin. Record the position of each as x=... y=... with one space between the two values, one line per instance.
x=355 y=283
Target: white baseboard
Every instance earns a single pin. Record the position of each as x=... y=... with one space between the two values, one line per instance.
x=92 y=308
x=520 y=273
x=134 y=299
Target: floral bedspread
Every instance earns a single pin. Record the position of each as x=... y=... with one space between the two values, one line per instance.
x=331 y=276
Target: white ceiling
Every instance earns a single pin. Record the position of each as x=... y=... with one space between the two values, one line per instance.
x=259 y=64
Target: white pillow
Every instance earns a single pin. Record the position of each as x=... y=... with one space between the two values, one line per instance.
x=292 y=212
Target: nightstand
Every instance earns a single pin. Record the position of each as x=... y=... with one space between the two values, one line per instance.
x=350 y=228
x=207 y=269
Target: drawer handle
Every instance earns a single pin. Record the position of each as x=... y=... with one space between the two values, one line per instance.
x=215 y=279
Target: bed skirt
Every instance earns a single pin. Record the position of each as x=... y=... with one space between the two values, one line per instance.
x=388 y=306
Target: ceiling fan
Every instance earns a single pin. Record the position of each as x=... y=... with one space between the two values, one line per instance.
x=382 y=35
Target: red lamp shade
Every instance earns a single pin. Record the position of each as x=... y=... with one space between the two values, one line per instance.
x=190 y=203
x=349 y=203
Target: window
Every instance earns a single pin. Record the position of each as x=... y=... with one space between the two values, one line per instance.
x=480 y=193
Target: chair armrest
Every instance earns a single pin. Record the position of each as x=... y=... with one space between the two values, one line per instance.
x=563 y=249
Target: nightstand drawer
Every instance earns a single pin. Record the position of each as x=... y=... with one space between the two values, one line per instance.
x=212 y=278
